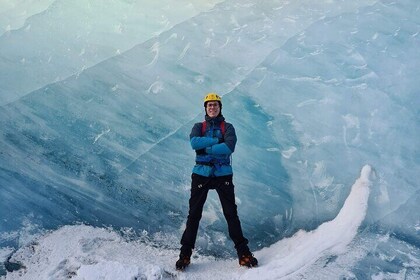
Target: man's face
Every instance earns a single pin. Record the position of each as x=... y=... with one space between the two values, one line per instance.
x=212 y=109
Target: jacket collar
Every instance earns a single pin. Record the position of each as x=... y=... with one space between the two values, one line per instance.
x=217 y=119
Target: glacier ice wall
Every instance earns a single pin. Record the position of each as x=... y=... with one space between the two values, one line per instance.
x=97 y=106
x=60 y=38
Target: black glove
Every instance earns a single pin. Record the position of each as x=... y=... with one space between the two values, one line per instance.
x=201 y=152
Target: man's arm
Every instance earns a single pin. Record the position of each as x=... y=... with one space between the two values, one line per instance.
x=228 y=146
x=197 y=141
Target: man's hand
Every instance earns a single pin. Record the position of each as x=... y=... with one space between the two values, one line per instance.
x=201 y=152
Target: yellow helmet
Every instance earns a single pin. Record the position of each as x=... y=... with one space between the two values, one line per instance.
x=212 y=97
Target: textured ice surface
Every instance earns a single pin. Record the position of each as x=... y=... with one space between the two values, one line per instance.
x=98 y=102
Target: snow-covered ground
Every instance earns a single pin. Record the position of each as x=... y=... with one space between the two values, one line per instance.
x=97 y=99
x=85 y=252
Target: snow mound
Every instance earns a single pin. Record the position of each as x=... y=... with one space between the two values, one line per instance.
x=85 y=252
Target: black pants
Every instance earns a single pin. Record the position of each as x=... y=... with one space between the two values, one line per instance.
x=200 y=187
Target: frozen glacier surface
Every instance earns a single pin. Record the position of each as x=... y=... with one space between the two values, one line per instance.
x=97 y=102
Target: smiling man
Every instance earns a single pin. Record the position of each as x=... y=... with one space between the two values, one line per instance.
x=214 y=142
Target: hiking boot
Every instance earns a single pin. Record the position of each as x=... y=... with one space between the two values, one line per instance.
x=248 y=260
x=183 y=262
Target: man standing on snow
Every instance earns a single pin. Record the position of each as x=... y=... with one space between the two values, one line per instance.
x=214 y=141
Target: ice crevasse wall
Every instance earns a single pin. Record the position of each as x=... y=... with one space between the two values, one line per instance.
x=96 y=112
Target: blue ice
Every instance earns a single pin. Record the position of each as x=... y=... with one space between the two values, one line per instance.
x=97 y=102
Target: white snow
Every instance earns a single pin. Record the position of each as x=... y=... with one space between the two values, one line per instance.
x=85 y=252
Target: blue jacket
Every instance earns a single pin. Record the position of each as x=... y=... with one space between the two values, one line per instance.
x=213 y=145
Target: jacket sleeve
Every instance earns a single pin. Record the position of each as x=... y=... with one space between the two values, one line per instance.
x=197 y=141
x=230 y=137
x=219 y=149
x=228 y=146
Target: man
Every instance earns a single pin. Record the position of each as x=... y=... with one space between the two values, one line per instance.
x=214 y=141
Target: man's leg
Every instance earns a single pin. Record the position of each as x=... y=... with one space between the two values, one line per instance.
x=225 y=190
x=199 y=190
